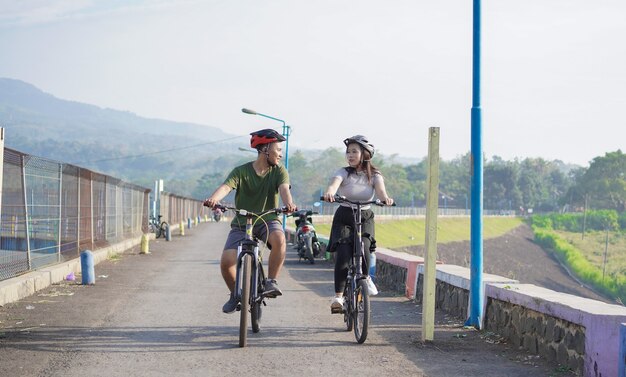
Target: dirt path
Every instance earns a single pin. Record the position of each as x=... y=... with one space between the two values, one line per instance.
x=516 y=256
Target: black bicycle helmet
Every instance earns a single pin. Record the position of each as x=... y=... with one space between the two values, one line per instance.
x=362 y=141
x=265 y=136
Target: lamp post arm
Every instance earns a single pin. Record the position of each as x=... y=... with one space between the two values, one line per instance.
x=271 y=117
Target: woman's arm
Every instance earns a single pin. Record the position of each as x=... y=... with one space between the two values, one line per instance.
x=381 y=192
x=332 y=188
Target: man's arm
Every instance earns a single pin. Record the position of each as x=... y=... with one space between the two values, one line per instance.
x=217 y=195
x=285 y=195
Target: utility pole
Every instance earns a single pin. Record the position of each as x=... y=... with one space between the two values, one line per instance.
x=606 y=249
x=585 y=216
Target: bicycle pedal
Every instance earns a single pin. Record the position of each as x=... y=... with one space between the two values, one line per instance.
x=336 y=310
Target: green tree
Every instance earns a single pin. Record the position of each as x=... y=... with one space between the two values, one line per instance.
x=605 y=182
x=500 y=184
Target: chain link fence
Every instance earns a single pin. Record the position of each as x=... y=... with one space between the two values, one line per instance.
x=51 y=211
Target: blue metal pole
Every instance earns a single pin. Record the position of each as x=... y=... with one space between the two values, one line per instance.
x=286 y=132
x=476 y=222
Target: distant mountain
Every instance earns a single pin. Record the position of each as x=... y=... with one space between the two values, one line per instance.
x=100 y=139
x=24 y=108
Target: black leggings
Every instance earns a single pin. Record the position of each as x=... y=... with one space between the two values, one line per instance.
x=341 y=239
x=342 y=262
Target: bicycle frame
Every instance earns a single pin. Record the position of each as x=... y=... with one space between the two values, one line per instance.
x=358 y=249
x=249 y=246
x=356 y=292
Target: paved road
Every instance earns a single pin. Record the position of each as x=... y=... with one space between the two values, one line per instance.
x=160 y=315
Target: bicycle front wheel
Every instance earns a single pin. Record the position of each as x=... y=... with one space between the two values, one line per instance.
x=256 y=308
x=361 y=311
x=246 y=263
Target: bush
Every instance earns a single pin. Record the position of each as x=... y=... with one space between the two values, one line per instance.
x=573 y=222
x=568 y=222
x=541 y=221
x=601 y=219
x=622 y=220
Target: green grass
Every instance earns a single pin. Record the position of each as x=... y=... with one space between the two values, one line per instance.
x=393 y=234
x=585 y=260
x=593 y=247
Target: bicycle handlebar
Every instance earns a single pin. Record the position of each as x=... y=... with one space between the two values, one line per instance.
x=245 y=212
x=343 y=199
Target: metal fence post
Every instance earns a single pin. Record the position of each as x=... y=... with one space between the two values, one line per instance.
x=60 y=212
x=1 y=165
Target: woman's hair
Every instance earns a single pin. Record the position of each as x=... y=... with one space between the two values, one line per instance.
x=366 y=164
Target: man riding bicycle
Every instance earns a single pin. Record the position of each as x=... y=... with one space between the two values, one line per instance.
x=258 y=184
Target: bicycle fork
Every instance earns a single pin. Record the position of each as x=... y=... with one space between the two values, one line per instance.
x=254 y=276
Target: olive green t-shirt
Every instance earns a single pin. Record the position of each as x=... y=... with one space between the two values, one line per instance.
x=256 y=193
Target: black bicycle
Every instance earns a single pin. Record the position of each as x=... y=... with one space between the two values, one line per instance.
x=250 y=275
x=158 y=227
x=356 y=309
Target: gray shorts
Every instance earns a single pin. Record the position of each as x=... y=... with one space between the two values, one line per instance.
x=260 y=231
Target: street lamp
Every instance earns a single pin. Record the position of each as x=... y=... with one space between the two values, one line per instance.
x=286 y=133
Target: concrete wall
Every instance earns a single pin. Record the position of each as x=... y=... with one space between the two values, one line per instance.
x=585 y=335
x=622 y=351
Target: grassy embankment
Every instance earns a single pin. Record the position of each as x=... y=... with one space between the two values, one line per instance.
x=585 y=258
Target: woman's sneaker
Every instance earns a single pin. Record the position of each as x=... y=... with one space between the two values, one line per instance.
x=371 y=288
x=336 y=305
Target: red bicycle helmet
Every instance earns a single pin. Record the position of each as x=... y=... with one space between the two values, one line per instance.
x=362 y=141
x=265 y=136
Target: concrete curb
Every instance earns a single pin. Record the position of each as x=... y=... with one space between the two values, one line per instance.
x=22 y=286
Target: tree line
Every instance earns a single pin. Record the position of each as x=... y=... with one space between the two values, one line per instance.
x=518 y=185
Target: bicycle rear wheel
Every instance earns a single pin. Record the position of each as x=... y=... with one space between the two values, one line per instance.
x=246 y=263
x=257 y=307
x=361 y=312
x=348 y=305
x=164 y=227
x=157 y=230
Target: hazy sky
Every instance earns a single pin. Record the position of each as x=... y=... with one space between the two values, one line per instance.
x=554 y=76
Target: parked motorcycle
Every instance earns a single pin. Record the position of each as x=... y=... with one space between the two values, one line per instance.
x=307 y=244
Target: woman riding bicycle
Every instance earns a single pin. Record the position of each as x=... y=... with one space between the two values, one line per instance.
x=257 y=184
x=359 y=181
